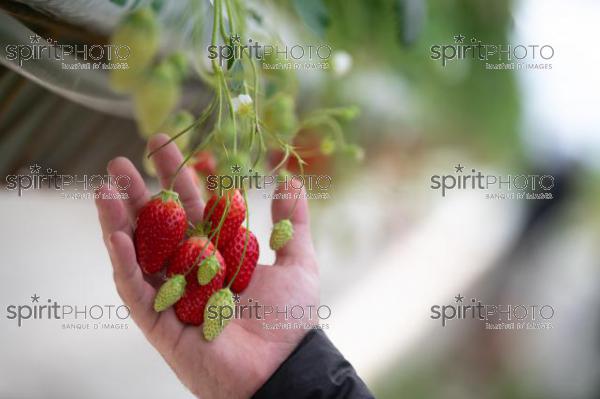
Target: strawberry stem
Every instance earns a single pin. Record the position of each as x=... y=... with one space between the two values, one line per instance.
x=201 y=119
x=179 y=169
x=199 y=257
x=301 y=166
x=212 y=209
x=222 y=221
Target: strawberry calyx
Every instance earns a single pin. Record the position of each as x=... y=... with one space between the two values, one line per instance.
x=199 y=230
x=208 y=269
x=168 y=195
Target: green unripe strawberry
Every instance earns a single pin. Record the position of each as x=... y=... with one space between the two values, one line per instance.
x=179 y=63
x=225 y=134
x=170 y=292
x=156 y=98
x=214 y=323
x=283 y=231
x=349 y=113
x=327 y=146
x=174 y=125
x=280 y=116
x=125 y=80
x=356 y=152
x=228 y=165
x=208 y=269
x=139 y=31
x=284 y=174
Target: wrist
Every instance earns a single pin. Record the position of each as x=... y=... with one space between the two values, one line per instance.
x=237 y=375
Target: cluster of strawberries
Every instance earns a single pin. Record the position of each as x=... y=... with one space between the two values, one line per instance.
x=205 y=265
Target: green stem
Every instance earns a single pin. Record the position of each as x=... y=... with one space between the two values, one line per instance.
x=220 y=112
x=198 y=122
x=215 y=24
x=256 y=128
x=222 y=220
x=231 y=110
x=301 y=166
x=221 y=25
x=199 y=257
x=230 y=15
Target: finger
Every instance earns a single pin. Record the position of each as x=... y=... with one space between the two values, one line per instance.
x=137 y=192
x=161 y=329
x=167 y=160
x=299 y=250
x=111 y=212
x=135 y=292
x=114 y=217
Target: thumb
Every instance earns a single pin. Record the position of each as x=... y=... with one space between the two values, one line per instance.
x=289 y=201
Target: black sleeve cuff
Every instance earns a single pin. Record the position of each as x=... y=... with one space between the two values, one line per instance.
x=315 y=369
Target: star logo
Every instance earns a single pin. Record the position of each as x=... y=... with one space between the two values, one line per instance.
x=35 y=168
x=236 y=298
x=459 y=38
x=235 y=168
x=235 y=38
x=35 y=298
x=459 y=298
x=34 y=39
x=459 y=168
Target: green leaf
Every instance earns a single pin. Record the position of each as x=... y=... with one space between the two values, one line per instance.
x=315 y=15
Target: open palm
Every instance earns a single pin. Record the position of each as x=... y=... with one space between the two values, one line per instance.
x=246 y=354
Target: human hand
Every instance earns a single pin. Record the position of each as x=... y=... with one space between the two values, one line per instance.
x=245 y=355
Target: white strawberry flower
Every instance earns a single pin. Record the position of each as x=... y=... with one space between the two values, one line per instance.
x=342 y=63
x=242 y=105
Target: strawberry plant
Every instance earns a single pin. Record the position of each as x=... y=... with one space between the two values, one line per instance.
x=250 y=122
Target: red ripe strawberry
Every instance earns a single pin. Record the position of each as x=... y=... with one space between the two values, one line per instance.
x=213 y=212
x=190 y=308
x=160 y=226
x=205 y=163
x=232 y=253
x=191 y=253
